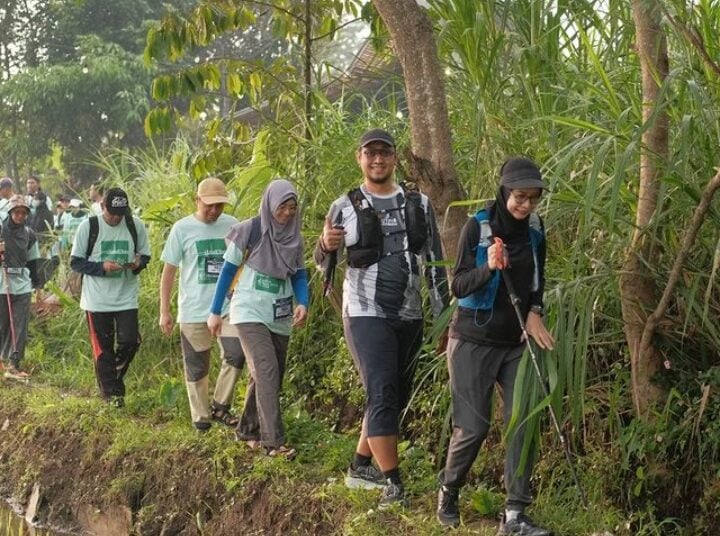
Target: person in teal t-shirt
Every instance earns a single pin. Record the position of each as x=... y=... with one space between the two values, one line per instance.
x=196 y=245
x=19 y=253
x=262 y=308
x=110 y=289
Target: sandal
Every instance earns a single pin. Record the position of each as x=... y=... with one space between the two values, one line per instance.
x=225 y=417
x=283 y=451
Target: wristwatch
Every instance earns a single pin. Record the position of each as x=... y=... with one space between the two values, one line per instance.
x=537 y=309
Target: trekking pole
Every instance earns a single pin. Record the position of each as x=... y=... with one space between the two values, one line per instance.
x=553 y=417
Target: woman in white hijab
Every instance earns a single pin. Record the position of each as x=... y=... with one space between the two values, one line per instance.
x=271 y=277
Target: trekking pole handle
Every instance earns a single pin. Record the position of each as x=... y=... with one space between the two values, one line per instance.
x=501 y=261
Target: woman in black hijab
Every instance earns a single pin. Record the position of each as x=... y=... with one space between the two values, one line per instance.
x=486 y=343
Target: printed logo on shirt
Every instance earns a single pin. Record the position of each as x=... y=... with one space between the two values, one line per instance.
x=266 y=283
x=389 y=221
x=118 y=251
x=209 y=259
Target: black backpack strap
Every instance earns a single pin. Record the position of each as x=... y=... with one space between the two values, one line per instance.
x=92 y=237
x=356 y=198
x=255 y=231
x=130 y=223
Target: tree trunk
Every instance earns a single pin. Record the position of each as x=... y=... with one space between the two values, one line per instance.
x=431 y=158
x=638 y=292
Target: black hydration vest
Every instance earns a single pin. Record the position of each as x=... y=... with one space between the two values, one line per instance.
x=369 y=248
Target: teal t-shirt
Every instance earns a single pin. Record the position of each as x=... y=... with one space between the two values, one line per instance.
x=19 y=278
x=197 y=248
x=260 y=298
x=116 y=291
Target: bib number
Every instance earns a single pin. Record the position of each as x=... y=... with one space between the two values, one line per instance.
x=282 y=308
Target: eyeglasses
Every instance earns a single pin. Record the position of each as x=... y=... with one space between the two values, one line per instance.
x=372 y=153
x=521 y=198
x=290 y=209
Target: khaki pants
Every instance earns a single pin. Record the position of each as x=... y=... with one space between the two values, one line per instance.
x=196 y=344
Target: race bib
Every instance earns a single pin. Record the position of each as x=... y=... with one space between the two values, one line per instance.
x=213 y=266
x=282 y=308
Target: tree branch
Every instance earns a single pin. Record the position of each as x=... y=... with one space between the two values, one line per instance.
x=694 y=40
x=687 y=244
x=318 y=37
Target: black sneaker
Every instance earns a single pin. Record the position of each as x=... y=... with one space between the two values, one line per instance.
x=364 y=477
x=392 y=494
x=521 y=525
x=448 y=513
x=202 y=426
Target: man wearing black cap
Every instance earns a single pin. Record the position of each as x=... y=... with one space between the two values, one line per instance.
x=486 y=343
x=110 y=251
x=387 y=233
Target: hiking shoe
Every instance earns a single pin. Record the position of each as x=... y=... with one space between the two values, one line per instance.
x=448 y=513
x=202 y=426
x=364 y=477
x=392 y=494
x=521 y=525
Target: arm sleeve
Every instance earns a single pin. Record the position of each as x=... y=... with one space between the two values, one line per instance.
x=84 y=266
x=435 y=273
x=468 y=278
x=227 y=274
x=299 y=282
x=144 y=260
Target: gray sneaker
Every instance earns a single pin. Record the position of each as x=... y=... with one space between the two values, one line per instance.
x=364 y=477
x=392 y=494
x=522 y=525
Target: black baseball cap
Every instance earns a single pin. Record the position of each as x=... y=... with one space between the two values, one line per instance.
x=116 y=202
x=520 y=172
x=377 y=134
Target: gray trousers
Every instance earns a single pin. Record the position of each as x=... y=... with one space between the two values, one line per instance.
x=265 y=353
x=474 y=370
x=20 y=304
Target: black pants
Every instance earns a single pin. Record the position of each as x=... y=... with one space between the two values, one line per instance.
x=111 y=363
x=385 y=354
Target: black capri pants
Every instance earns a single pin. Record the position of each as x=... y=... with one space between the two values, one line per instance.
x=385 y=354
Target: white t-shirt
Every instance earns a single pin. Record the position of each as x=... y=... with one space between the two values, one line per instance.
x=197 y=248
x=116 y=291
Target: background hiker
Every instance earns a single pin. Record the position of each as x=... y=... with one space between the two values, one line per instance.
x=273 y=275
x=32 y=186
x=110 y=251
x=386 y=233
x=485 y=345
x=19 y=253
x=6 y=192
x=42 y=224
x=196 y=244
